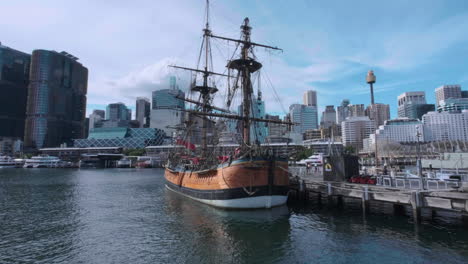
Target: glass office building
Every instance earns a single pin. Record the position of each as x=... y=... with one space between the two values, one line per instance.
x=14 y=78
x=56 y=104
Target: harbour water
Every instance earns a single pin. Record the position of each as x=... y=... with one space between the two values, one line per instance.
x=127 y=216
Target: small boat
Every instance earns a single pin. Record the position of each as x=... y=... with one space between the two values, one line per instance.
x=42 y=161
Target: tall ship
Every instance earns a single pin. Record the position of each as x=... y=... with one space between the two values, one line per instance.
x=246 y=176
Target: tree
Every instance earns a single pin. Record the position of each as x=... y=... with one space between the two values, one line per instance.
x=134 y=152
x=349 y=150
x=304 y=154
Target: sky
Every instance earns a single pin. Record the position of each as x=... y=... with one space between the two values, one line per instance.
x=328 y=46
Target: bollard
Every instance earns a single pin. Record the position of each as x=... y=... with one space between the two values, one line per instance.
x=416 y=206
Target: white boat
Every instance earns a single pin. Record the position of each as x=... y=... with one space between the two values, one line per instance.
x=42 y=161
x=9 y=162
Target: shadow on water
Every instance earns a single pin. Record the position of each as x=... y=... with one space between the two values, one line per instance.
x=347 y=234
x=230 y=236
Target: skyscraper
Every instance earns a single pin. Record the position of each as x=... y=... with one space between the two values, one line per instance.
x=164 y=109
x=379 y=113
x=447 y=91
x=143 y=108
x=258 y=130
x=14 y=78
x=310 y=98
x=328 y=117
x=118 y=111
x=413 y=105
x=56 y=105
x=355 y=129
x=305 y=117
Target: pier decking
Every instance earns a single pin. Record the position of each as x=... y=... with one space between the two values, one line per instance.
x=312 y=187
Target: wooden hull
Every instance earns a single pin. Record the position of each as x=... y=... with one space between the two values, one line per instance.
x=243 y=184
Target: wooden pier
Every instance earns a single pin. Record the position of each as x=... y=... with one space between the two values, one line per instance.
x=448 y=200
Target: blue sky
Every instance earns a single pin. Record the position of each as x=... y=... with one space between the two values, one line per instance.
x=328 y=45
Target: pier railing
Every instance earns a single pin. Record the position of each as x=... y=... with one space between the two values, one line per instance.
x=417 y=183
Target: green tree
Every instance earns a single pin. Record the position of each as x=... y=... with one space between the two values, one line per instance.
x=349 y=150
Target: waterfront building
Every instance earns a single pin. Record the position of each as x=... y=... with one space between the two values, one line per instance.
x=143 y=109
x=446 y=126
x=379 y=113
x=402 y=130
x=324 y=146
x=453 y=105
x=118 y=111
x=304 y=116
x=56 y=104
x=328 y=117
x=310 y=98
x=355 y=130
x=130 y=138
x=14 y=79
x=445 y=92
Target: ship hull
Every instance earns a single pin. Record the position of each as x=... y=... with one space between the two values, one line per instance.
x=239 y=185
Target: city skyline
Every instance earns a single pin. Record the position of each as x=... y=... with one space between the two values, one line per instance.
x=331 y=52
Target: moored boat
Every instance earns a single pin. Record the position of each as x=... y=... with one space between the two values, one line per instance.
x=42 y=161
x=250 y=176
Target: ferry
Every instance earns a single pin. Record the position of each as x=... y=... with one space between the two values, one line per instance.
x=43 y=161
x=9 y=162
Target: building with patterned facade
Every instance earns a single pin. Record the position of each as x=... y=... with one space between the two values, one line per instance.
x=130 y=138
x=446 y=126
x=56 y=104
x=328 y=117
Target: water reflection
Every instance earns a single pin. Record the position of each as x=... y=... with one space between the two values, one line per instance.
x=231 y=235
x=38 y=215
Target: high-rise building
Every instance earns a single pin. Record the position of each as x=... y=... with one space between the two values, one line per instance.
x=355 y=129
x=14 y=78
x=310 y=98
x=165 y=114
x=446 y=126
x=56 y=105
x=401 y=130
x=445 y=92
x=96 y=118
x=118 y=111
x=413 y=105
x=304 y=116
x=379 y=113
x=143 y=109
x=346 y=110
x=328 y=117
x=453 y=105
x=258 y=130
